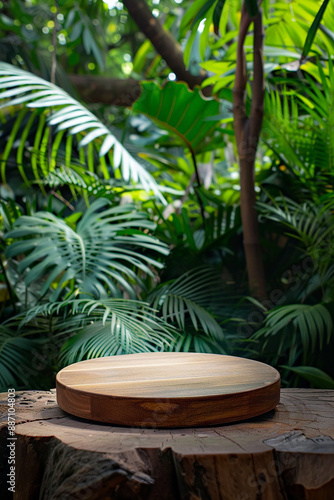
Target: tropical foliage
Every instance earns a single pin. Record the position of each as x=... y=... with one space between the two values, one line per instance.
x=120 y=208
x=104 y=250
x=70 y=117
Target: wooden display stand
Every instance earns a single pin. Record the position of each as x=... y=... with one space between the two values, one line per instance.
x=285 y=454
x=168 y=389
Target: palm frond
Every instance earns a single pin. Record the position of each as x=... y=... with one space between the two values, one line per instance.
x=310 y=223
x=101 y=253
x=85 y=184
x=222 y=221
x=9 y=212
x=25 y=91
x=15 y=357
x=291 y=138
x=312 y=323
x=108 y=327
x=188 y=297
x=299 y=129
x=196 y=342
x=308 y=220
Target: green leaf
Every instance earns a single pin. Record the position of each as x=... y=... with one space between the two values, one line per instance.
x=312 y=323
x=217 y=12
x=318 y=378
x=313 y=30
x=203 y=43
x=180 y=110
x=76 y=31
x=10 y=142
x=70 y=18
x=190 y=14
x=202 y=12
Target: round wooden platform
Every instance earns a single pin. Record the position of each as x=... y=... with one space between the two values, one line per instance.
x=168 y=389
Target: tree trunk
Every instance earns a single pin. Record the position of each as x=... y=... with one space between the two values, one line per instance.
x=287 y=453
x=251 y=236
x=247 y=132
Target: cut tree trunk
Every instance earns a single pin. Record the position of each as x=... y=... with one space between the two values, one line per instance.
x=286 y=454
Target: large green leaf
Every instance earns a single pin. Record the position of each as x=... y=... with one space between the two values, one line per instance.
x=202 y=12
x=180 y=110
x=218 y=12
x=108 y=248
x=26 y=91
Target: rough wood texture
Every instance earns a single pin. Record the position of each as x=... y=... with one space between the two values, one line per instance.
x=286 y=454
x=168 y=389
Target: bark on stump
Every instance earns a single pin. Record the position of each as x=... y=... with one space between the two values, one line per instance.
x=286 y=454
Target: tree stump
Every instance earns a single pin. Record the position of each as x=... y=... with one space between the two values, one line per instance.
x=287 y=453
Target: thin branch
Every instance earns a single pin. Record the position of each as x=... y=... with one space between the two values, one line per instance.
x=54 y=45
x=62 y=199
x=119 y=92
x=162 y=41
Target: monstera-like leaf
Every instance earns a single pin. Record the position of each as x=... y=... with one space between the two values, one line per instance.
x=180 y=110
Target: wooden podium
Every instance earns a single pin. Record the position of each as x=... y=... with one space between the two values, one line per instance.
x=168 y=389
x=169 y=439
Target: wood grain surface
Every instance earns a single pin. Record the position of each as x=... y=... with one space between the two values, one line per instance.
x=168 y=389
